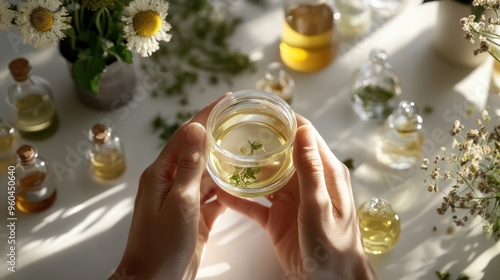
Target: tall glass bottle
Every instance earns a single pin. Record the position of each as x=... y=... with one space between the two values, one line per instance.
x=355 y=17
x=9 y=141
x=403 y=138
x=308 y=41
x=30 y=99
x=107 y=156
x=36 y=189
x=276 y=80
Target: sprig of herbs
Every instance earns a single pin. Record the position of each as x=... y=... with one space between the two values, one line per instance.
x=198 y=48
x=244 y=176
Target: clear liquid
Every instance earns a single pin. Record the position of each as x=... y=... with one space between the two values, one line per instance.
x=108 y=164
x=36 y=116
x=401 y=150
x=235 y=133
x=354 y=18
x=33 y=194
x=307 y=41
x=380 y=233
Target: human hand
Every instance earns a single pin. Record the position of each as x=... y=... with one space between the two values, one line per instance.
x=171 y=220
x=312 y=220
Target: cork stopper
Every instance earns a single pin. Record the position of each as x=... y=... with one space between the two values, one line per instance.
x=20 y=69
x=26 y=153
x=100 y=133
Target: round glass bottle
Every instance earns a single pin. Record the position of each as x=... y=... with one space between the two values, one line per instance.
x=36 y=189
x=276 y=80
x=31 y=102
x=251 y=135
x=375 y=88
x=402 y=138
x=106 y=154
x=9 y=141
x=379 y=225
x=308 y=43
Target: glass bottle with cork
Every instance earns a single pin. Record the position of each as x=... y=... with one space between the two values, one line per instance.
x=106 y=155
x=276 y=80
x=379 y=225
x=308 y=41
x=36 y=189
x=403 y=138
x=9 y=141
x=30 y=100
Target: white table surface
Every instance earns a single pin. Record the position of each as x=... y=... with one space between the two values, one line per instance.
x=82 y=236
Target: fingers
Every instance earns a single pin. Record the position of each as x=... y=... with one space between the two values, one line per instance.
x=255 y=211
x=190 y=167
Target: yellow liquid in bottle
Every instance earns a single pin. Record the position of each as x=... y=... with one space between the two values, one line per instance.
x=401 y=150
x=33 y=195
x=108 y=164
x=7 y=158
x=234 y=134
x=380 y=231
x=36 y=116
x=307 y=40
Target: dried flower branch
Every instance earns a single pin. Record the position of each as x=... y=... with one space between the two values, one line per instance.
x=473 y=171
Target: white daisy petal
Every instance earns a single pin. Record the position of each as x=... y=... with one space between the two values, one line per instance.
x=6 y=15
x=146 y=26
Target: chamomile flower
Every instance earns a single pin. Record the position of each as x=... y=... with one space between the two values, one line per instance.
x=6 y=15
x=41 y=22
x=145 y=25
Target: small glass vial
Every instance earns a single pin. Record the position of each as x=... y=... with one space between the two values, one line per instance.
x=31 y=102
x=250 y=135
x=276 y=80
x=355 y=17
x=402 y=138
x=308 y=42
x=9 y=141
x=106 y=156
x=36 y=189
x=379 y=225
x=375 y=88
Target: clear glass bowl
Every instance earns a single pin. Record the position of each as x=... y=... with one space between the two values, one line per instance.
x=251 y=137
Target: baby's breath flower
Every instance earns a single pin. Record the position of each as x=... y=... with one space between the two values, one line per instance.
x=145 y=25
x=41 y=22
x=6 y=15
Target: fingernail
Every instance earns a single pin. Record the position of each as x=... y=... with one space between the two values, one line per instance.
x=307 y=138
x=195 y=134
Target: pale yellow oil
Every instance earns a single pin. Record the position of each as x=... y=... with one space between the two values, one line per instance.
x=402 y=150
x=235 y=133
x=380 y=233
x=108 y=164
x=7 y=152
x=36 y=116
x=32 y=193
x=307 y=42
x=495 y=78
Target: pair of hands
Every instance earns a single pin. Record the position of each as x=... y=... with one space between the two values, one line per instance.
x=312 y=220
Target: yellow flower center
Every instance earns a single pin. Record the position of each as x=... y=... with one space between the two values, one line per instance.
x=41 y=19
x=147 y=23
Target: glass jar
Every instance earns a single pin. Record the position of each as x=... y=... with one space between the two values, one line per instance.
x=106 y=154
x=276 y=80
x=355 y=17
x=251 y=136
x=403 y=138
x=308 y=43
x=9 y=141
x=36 y=189
x=375 y=88
x=379 y=225
x=33 y=111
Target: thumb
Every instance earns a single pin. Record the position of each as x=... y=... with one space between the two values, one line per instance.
x=310 y=172
x=190 y=166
